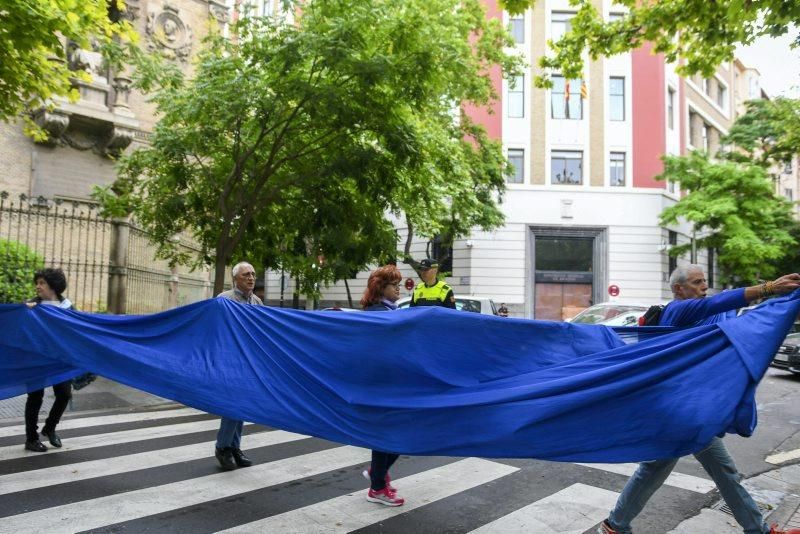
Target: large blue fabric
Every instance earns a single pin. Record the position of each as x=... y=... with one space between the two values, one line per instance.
x=426 y=381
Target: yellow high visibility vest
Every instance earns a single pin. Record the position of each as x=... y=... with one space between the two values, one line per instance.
x=431 y=296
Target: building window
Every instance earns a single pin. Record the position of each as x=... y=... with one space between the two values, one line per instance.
x=671 y=108
x=673 y=261
x=789 y=194
x=516 y=97
x=566 y=168
x=705 y=83
x=257 y=8
x=616 y=98
x=617 y=169
x=722 y=96
x=437 y=249
x=516 y=158
x=565 y=99
x=516 y=26
x=704 y=136
x=693 y=128
x=560 y=23
x=787 y=168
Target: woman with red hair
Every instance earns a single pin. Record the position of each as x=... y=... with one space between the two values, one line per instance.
x=383 y=290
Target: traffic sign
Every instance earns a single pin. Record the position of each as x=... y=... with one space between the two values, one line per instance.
x=613 y=290
x=409 y=283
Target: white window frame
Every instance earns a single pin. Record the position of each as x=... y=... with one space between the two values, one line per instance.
x=519 y=175
x=614 y=160
x=612 y=97
x=566 y=155
x=516 y=93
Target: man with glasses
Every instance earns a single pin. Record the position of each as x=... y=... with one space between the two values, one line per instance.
x=228 y=451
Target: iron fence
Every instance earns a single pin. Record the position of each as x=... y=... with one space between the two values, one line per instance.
x=74 y=236
x=68 y=234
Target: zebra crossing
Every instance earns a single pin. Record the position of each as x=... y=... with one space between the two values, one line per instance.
x=155 y=471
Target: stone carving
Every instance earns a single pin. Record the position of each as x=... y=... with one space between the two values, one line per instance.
x=131 y=10
x=89 y=61
x=54 y=123
x=218 y=11
x=122 y=91
x=168 y=33
x=117 y=140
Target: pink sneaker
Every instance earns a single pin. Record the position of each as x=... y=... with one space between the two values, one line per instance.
x=385 y=497
x=366 y=472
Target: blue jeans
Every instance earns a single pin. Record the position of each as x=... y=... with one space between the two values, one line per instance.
x=230 y=433
x=717 y=463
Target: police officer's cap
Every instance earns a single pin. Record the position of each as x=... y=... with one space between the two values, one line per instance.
x=428 y=263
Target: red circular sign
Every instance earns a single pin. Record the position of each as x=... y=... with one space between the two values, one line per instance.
x=409 y=283
x=613 y=290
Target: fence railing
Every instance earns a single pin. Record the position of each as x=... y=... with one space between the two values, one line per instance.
x=110 y=264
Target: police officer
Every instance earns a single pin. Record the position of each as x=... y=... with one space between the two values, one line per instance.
x=432 y=292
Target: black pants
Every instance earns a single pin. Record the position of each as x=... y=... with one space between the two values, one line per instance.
x=381 y=462
x=63 y=392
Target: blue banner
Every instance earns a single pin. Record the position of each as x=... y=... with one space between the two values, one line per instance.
x=423 y=381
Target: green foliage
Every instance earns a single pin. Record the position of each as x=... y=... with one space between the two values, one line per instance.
x=17 y=265
x=32 y=34
x=702 y=33
x=768 y=133
x=294 y=141
x=734 y=210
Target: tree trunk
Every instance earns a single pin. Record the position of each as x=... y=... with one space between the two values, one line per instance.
x=349 y=296
x=220 y=273
x=296 y=294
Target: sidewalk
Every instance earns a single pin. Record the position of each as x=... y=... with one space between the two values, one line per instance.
x=776 y=491
x=102 y=394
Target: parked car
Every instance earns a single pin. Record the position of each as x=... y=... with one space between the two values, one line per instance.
x=482 y=305
x=611 y=314
x=788 y=356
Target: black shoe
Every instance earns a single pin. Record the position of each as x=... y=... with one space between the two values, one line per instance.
x=52 y=437
x=241 y=459
x=35 y=446
x=225 y=458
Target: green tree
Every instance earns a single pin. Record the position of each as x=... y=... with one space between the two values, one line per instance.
x=17 y=265
x=702 y=33
x=767 y=134
x=32 y=34
x=734 y=211
x=292 y=138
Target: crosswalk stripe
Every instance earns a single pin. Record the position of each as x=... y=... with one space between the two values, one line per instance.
x=572 y=510
x=84 y=422
x=781 y=457
x=676 y=480
x=63 y=474
x=11 y=452
x=96 y=513
x=351 y=512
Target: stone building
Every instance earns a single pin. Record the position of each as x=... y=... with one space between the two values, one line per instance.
x=85 y=138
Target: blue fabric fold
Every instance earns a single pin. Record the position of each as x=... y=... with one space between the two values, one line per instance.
x=424 y=381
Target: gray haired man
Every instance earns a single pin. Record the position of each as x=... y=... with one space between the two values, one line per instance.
x=228 y=451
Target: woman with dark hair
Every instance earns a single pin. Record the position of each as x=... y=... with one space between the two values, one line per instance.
x=383 y=290
x=50 y=287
